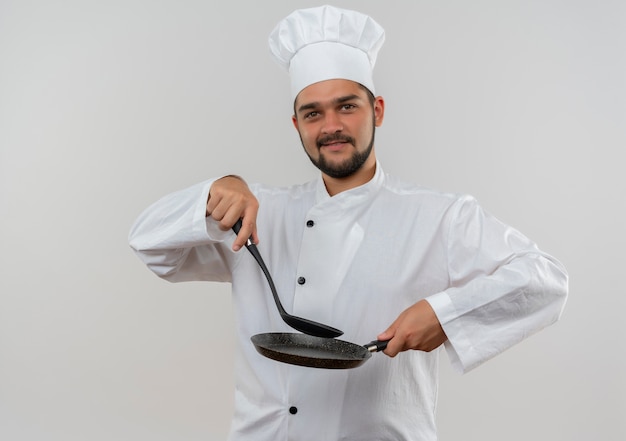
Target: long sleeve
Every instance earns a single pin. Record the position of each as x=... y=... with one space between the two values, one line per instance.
x=503 y=288
x=177 y=242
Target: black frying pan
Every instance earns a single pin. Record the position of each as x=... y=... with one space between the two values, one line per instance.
x=312 y=351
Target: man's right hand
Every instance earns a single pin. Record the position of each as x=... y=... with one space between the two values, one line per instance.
x=230 y=199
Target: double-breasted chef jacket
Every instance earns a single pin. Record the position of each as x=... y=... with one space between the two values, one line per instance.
x=355 y=261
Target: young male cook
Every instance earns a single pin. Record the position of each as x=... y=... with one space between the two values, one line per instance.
x=356 y=249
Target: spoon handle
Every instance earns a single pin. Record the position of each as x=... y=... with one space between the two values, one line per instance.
x=237 y=228
x=257 y=256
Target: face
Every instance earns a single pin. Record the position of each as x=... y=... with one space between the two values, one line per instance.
x=336 y=121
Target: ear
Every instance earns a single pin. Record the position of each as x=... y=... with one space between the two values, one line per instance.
x=379 y=110
x=294 y=121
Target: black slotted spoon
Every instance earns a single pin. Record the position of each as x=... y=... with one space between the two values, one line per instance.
x=301 y=324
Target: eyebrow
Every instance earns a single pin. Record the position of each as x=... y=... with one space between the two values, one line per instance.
x=316 y=104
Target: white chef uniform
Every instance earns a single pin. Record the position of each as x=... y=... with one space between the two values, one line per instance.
x=356 y=261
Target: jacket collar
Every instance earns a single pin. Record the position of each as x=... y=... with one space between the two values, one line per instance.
x=350 y=198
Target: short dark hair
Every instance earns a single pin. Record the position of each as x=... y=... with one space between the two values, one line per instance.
x=370 y=95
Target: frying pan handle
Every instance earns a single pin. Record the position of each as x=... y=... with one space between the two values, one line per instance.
x=376 y=345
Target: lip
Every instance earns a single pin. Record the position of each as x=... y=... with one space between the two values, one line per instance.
x=335 y=146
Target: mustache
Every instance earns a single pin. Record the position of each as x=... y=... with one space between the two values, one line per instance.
x=336 y=137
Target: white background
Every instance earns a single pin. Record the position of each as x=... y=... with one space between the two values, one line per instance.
x=107 y=105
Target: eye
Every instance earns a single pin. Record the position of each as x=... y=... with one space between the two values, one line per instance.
x=310 y=115
x=348 y=106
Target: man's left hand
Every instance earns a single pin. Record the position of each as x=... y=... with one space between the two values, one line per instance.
x=416 y=328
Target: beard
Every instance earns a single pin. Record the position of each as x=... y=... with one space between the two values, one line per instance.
x=346 y=168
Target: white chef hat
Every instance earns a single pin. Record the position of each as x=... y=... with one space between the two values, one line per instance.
x=326 y=43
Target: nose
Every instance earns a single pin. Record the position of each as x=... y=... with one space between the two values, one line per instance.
x=332 y=123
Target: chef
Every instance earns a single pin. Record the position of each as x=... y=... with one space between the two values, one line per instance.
x=356 y=249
